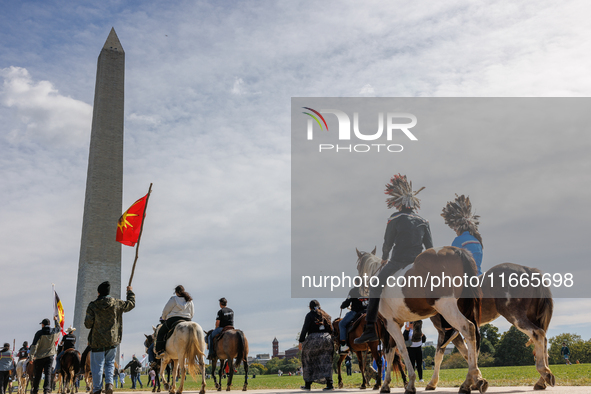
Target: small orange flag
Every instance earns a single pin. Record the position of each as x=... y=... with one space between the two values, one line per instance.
x=130 y=223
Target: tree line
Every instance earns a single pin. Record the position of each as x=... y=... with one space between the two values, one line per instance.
x=509 y=349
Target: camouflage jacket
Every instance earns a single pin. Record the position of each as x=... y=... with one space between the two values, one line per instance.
x=105 y=321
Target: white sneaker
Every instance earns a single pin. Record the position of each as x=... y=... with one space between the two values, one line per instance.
x=421 y=380
x=344 y=349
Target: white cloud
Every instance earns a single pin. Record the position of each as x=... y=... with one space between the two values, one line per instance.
x=42 y=114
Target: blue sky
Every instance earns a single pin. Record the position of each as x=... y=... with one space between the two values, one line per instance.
x=207 y=120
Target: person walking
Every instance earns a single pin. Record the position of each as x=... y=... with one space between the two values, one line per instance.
x=565 y=352
x=414 y=339
x=317 y=348
x=104 y=319
x=348 y=364
x=122 y=377
x=134 y=368
x=6 y=364
x=42 y=352
x=406 y=234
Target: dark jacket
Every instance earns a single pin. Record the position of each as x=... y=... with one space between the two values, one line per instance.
x=314 y=323
x=357 y=302
x=104 y=318
x=44 y=342
x=133 y=366
x=407 y=232
x=69 y=341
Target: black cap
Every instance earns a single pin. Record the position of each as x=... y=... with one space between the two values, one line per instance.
x=45 y=321
x=104 y=288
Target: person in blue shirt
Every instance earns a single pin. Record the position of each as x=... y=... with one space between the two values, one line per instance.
x=459 y=217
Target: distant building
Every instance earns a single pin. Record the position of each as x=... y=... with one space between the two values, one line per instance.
x=275 y=347
x=292 y=352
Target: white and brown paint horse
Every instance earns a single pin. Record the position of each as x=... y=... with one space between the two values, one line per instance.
x=528 y=309
x=184 y=348
x=460 y=306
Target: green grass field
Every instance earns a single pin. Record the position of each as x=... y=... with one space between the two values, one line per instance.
x=572 y=375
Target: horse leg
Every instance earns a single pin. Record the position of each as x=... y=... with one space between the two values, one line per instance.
x=202 y=367
x=182 y=372
x=175 y=374
x=230 y=373
x=377 y=356
x=395 y=331
x=538 y=337
x=213 y=365
x=362 y=369
x=221 y=372
x=340 y=380
x=448 y=307
x=386 y=383
x=245 y=362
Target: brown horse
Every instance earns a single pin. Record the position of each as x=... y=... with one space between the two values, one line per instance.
x=357 y=330
x=410 y=298
x=85 y=368
x=69 y=367
x=528 y=309
x=231 y=344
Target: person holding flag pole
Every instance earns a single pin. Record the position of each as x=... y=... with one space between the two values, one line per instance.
x=104 y=316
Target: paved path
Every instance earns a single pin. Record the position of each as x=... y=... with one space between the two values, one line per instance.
x=440 y=390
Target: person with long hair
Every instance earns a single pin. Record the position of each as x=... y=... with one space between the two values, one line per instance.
x=178 y=308
x=317 y=348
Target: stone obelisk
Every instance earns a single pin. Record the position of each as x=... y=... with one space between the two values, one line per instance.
x=100 y=254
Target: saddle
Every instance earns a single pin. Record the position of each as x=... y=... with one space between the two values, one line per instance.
x=221 y=334
x=171 y=329
x=355 y=323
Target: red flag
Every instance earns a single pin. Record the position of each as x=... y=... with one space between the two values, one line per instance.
x=130 y=223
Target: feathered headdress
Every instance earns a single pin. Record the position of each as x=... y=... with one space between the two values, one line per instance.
x=458 y=215
x=402 y=195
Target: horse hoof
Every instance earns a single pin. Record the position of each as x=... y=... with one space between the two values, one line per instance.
x=551 y=380
x=362 y=387
x=340 y=385
x=465 y=389
x=228 y=388
x=482 y=385
x=409 y=391
x=539 y=386
x=429 y=387
x=385 y=390
x=244 y=388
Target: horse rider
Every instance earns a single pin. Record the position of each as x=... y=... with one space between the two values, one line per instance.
x=225 y=317
x=459 y=217
x=406 y=234
x=178 y=308
x=23 y=352
x=358 y=306
x=68 y=342
x=42 y=351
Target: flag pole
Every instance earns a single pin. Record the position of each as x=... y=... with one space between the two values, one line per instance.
x=137 y=247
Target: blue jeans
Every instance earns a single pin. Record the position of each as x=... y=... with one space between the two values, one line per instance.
x=103 y=361
x=116 y=379
x=57 y=362
x=136 y=378
x=212 y=335
x=343 y=324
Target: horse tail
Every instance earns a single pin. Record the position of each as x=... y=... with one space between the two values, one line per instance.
x=470 y=303
x=241 y=347
x=544 y=307
x=195 y=344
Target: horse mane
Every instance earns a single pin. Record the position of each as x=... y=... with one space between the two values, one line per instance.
x=368 y=264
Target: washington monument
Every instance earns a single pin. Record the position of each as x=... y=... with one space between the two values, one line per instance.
x=100 y=254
